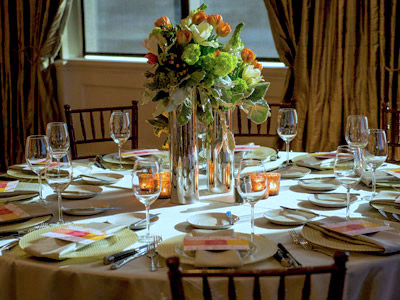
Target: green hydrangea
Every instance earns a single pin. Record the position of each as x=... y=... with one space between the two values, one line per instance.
x=240 y=86
x=208 y=62
x=191 y=54
x=224 y=64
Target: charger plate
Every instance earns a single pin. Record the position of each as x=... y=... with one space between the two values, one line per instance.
x=334 y=200
x=23 y=225
x=319 y=184
x=321 y=239
x=26 y=175
x=15 y=197
x=264 y=248
x=119 y=241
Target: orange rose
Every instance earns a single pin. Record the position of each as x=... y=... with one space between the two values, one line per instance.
x=162 y=22
x=183 y=36
x=248 y=56
x=257 y=65
x=199 y=17
x=216 y=53
x=214 y=20
x=151 y=58
x=223 y=29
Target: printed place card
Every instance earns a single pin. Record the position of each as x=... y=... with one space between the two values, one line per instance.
x=324 y=155
x=78 y=234
x=8 y=186
x=9 y=212
x=393 y=172
x=356 y=227
x=140 y=152
x=215 y=243
x=239 y=148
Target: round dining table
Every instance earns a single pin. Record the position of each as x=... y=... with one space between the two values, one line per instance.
x=22 y=276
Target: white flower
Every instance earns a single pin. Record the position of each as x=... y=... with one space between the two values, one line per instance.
x=251 y=75
x=154 y=41
x=186 y=22
x=201 y=33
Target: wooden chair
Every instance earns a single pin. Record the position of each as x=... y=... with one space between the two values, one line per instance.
x=391 y=124
x=93 y=116
x=337 y=271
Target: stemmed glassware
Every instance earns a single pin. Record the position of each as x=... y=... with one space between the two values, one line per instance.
x=57 y=135
x=120 y=129
x=252 y=184
x=356 y=133
x=38 y=156
x=375 y=153
x=287 y=127
x=146 y=186
x=59 y=176
x=348 y=170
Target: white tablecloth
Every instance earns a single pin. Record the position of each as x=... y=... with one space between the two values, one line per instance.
x=23 y=277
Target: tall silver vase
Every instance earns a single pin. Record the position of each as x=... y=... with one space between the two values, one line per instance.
x=183 y=153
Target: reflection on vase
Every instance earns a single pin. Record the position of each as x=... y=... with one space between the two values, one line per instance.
x=220 y=156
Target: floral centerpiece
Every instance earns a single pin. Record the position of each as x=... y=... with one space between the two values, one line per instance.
x=187 y=57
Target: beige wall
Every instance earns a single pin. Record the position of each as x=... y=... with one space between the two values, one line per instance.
x=88 y=83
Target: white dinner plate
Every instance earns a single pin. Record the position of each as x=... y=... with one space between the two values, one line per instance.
x=288 y=217
x=213 y=220
x=17 y=196
x=78 y=168
x=85 y=207
x=331 y=199
x=261 y=152
x=264 y=248
x=293 y=172
x=109 y=178
x=319 y=184
x=112 y=158
x=81 y=192
x=130 y=218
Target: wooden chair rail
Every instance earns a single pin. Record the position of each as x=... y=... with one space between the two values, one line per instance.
x=391 y=124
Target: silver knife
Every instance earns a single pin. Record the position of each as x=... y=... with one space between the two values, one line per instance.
x=121 y=255
x=122 y=262
x=303 y=210
x=137 y=223
x=294 y=261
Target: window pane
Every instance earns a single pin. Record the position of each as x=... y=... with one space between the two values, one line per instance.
x=256 y=33
x=120 y=26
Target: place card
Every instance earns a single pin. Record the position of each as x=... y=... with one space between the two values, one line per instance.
x=9 y=212
x=78 y=234
x=8 y=186
x=140 y=152
x=215 y=243
x=239 y=148
x=393 y=172
x=356 y=227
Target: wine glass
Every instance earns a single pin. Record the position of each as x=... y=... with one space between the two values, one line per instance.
x=38 y=156
x=59 y=176
x=57 y=135
x=146 y=186
x=119 y=129
x=375 y=153
x=252 y=184
x=356 y=133
x=287 y=127
x=348 y=169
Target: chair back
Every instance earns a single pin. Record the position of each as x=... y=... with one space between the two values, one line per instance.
x=390 y=123
x=94 y=125
x=337 y=271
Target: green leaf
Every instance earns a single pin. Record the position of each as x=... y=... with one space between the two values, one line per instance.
x=161 y=94
x=184 y=112
x=259 y=112
x=231 y=140
x=196 y=78
x=259 y=91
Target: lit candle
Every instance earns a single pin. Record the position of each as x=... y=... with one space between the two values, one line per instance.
x=274 y=180
x=211 y=173
x=258 y=181
x=146 y=181
x=165 y=185
x=228 y=176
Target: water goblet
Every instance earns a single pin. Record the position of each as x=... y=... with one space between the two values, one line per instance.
x=348 y=170
x=38 y=156
x=146 y=186
x=287 y=127
x=375 y=153
x=356 y=132
x=59 y=176
x=252 y=184
x=120 y=130
x=57 y=135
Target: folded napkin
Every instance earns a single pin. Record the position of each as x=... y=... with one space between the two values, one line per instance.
x=381 y=177
x=12 y=213
x=55 y=248
x=316 y=163
x=18 y=193
x=388 y=241
x=387 y=198
x=227 y=259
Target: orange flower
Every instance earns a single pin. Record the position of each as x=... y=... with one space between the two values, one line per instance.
x=162 y=22
x=214 y=20
x=257 y=65
x=183 y=36
x=199 y=17
x=216 y=53
x=151 y=58
x=223 y=29
x=248 y=56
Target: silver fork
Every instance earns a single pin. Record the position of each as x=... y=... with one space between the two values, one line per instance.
x=298 y=240
x=13 y=243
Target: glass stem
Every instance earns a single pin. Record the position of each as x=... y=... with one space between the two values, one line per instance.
x=287 y=153
x=60 y=215
x=252 y=221
x=347 y=204
x=147 y=220
x=119 y=154
x=40 y=186
x=373 y=183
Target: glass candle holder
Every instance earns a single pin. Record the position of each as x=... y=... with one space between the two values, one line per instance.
x=274 y=183
x=146 y=181
x=258 y=182
x=165 y=185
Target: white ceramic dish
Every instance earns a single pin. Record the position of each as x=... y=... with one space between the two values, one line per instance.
x=287 y=217
x=293 y=172
x=85 y=207
x=102 y=178
x=211 y=220
x=81 y=192
x=330 y=199
x=319 y=184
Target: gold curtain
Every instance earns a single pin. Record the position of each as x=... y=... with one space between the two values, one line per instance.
x=31 y=38
x=333 y=51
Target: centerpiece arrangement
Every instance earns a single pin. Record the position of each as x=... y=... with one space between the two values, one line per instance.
x=197 y=78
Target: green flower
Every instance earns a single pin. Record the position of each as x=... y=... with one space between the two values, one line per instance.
x=240 y=86
x=225 y=63
x=208 y=62
x=235 y=44
x=191 y=54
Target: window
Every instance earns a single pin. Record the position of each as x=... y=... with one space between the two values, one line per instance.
x=119 y=27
